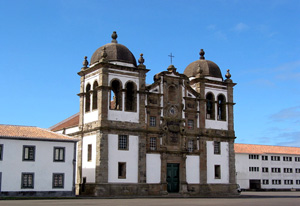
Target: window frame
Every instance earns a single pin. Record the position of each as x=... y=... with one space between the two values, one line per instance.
x=89 y=152
x=59 y=186
x=190 y=124
x=190 y=145
x=121 y=145
x=1 y=152
x=217 y=172
x=121 y=170
x=153 y=143
x=217 y=147
x=152 y=121
x=23 y=178
x=34 y=150
x=59 y=154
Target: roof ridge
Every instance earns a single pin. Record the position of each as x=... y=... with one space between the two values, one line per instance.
x=267 y=145
x=18 y=125
x=63 y=121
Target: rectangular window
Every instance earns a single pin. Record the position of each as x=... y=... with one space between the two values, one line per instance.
x=217 y=147
x=28 y=153
x=89 y=153
x=265 y=169
x=297 y=170
x=287 y=170
x=190 y=145
x=276 y=182
x=297 y=159
x=217 y=172
x=190 y=124
x=254 y=169
x=275 y=158
x=276 y=170
x=1 y=151
x=253 y=156
x=153 y=143
x=287 y=159
x=152 y=121
x=27 y=180
x=265 y=182
x=58 y=180
x=122 y=170
x=288 y=182
x=59 y=154
x=264 y=157
x=297 y=182
x=123 y=142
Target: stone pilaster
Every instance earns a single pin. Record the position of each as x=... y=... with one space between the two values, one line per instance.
x=101 y=157
x=79 y=166
x=232 y=171
x=203 y=161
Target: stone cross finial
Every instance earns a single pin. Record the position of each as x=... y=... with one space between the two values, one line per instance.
x=171 y=56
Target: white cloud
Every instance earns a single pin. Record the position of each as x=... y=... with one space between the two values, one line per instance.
x=240 y=27
x=291 y=113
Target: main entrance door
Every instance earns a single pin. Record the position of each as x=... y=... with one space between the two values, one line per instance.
x=173 y=177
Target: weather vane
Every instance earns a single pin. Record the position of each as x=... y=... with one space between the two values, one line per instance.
x=171 y=56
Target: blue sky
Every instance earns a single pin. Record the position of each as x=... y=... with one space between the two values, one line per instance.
x=42 y=45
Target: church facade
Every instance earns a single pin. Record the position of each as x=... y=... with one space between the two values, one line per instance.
x=172 y=137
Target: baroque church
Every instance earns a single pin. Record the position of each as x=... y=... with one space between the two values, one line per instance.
x=174 y=137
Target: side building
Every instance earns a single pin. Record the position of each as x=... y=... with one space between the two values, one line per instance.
x=36 y=162
x=174 y=136
x=263 y=167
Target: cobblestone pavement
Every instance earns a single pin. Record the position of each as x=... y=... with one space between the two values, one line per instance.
x=246 y=199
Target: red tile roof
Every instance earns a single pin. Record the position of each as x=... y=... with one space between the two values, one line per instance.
x=72 y=121
x=265 y=149
x=28 y=132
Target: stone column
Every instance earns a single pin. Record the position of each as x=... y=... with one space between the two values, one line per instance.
x=232 y=171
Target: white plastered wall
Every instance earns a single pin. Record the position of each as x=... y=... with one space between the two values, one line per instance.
x=242 y=163
x=12 y=165
x=217 y=124
x=123 y=115
x=89 y=167
x=130 y=157
x=193 y=169
x=217 y=159
x=153 y=168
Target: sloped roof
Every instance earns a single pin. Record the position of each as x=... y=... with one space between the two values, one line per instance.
x=72 y=121
x=265 y=149
x=29 y=132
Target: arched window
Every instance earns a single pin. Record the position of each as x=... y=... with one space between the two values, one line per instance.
x=221 y=107
x=172 y=93
x=210 y=106
x=87 y=98
x=130 y=97
x=95 y=96
x=116 y=95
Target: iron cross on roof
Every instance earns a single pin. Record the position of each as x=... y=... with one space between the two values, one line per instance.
x=171 y=56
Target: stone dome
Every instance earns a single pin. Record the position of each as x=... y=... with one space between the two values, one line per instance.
x=115 y=52
x=208 y=68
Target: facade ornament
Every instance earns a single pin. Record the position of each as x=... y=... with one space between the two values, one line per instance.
x=103 y=55
x=228 y=75
x=114 y=37
x=85 y=62
x=202 y=54
x=141 y=59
